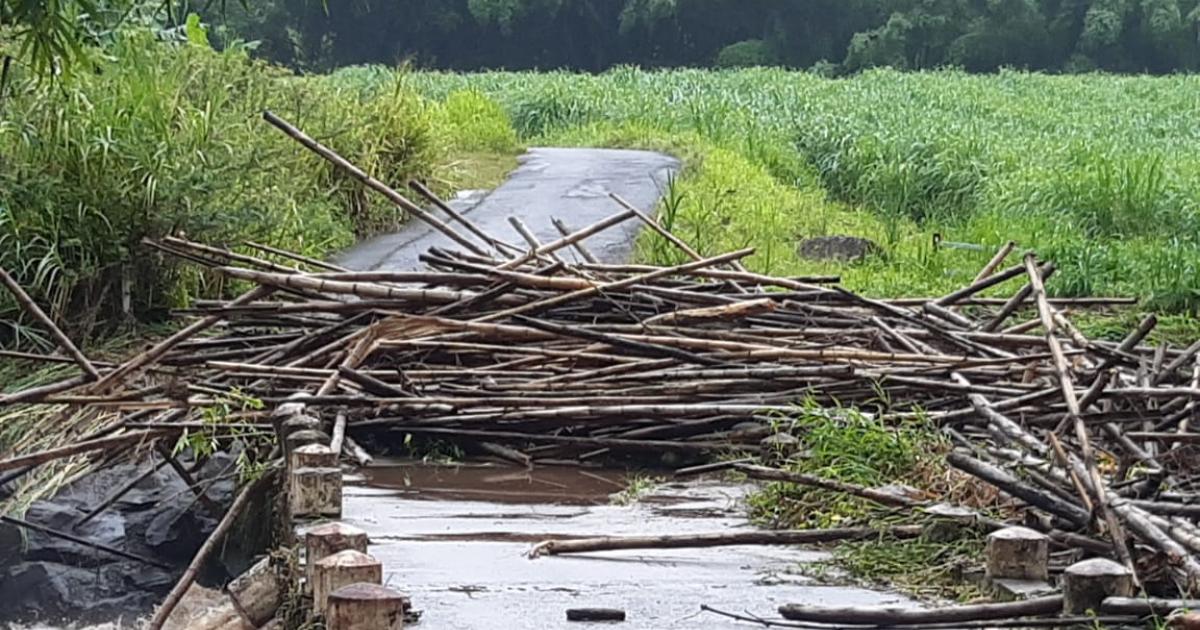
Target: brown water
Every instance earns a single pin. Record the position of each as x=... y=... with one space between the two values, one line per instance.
x=455 y=539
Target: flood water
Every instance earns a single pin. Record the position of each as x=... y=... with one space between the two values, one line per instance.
x=455 y=539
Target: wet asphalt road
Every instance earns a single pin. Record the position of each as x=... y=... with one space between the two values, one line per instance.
x=455 y=539
x=570 y=184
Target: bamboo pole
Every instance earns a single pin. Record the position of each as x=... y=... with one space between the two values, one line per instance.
x=34 y=311
x=505 y=249
x=210 y=545
x=370 y=182
x=86 y=446
x=669 y=541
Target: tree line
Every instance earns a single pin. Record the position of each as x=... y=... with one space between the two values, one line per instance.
x=836 y=36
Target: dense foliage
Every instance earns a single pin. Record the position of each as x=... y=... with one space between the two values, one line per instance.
x=165 y=138
x=1156 y=36
x=1099 y=173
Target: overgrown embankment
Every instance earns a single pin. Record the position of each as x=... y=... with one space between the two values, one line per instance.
x=160 y=138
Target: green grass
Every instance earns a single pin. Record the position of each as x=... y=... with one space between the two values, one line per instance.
x=637 y=485
x=847 y=445
x=922 y=567
x=850 y=446
x=1099 y=173
x=167 y=139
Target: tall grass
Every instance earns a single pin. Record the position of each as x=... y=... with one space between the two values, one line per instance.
x=163 y=139
x=1100 y=172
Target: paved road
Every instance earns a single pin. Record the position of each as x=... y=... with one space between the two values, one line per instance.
x=455 y=538
x=570 y=184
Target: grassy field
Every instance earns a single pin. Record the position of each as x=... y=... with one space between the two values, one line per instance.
x=1098 y=173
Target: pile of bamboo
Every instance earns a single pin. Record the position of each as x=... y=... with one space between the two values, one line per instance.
x=535 y=352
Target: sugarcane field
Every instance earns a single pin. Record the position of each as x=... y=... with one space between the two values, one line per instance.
x=565 y=314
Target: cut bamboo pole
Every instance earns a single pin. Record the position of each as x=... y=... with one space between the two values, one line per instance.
x=370 y=182
x=34 y=311
x=798 y=537
x=210 y=545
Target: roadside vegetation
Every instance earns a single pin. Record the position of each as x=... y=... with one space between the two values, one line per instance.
x=161 y=138
x=1091 y=171
x=851 y=446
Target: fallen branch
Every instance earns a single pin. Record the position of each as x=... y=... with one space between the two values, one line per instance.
x=797 y=537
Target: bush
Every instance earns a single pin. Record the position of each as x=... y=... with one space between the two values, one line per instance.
x=166 y=139
x=476 y=123
x=747 y=54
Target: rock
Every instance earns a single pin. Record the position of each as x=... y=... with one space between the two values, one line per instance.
x=50 y=591
x=106 y=529
x=176 y=533
x=1009 y=590
x=840 y=248
x=45 y=578
x=12 y=544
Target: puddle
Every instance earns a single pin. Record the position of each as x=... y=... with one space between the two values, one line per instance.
x=455 y=539
x=554 y=485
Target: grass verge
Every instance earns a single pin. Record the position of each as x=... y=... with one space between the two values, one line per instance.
x=850 y=446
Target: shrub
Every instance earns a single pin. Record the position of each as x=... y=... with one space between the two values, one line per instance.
x=747 y=54
x=163 y=139
x=476 y=123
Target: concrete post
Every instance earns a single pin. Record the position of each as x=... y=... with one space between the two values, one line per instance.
x=365 y=607
x=342 y=569
x=301 y=438
x=313 y=456
x=1085 y=584
x=1018 y=553
x=315 y=492
x=325 y=540
x=257 y=593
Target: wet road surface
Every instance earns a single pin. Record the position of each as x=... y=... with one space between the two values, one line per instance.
x=455 y=539
x=569 y=184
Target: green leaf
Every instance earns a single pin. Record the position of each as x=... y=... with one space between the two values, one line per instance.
x=197 y=34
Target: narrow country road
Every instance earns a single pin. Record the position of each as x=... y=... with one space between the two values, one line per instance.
x=569 y=184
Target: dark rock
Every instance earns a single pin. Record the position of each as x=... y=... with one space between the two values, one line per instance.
x=176 y=532
x=12 y=544
x=49 y=591
x=253 y=531
x=45 y=578
x=106 y=529
x=840 y=248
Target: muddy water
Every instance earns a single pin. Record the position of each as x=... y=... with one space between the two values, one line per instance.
x=455 y=539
